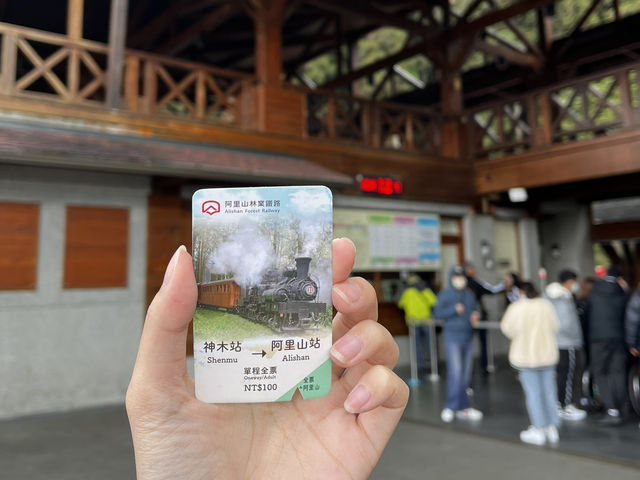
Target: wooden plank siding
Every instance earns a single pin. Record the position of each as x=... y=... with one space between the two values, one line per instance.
x=602 y=157
x=96 y=247
x=19 y=245
x=426 y=177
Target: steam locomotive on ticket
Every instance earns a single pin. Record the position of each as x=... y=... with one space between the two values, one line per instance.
x=284 y=300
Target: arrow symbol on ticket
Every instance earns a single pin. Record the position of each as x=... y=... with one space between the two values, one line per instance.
x=263 y=353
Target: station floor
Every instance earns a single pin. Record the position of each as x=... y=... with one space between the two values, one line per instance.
x=96 y=444
x=499 y=396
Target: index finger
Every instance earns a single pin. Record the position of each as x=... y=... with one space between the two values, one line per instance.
x=162 y=352
x=344 y=256
x=353 y=298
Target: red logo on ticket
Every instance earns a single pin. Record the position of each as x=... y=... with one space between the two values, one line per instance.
x=210 y=207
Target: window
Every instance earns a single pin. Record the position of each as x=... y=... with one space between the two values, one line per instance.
x=19 y=245
x=96 y=248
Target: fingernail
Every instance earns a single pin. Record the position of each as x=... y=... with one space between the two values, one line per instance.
x=350 y=241
x=350 y=293
x=357 y=399
x=172 y=265
x=345 y=349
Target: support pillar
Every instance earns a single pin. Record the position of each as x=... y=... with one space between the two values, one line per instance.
x=451 y=101
x=117 y=36
x=268 y=106
x=75 y=21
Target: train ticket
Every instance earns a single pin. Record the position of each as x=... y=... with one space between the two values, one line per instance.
x=262 y=261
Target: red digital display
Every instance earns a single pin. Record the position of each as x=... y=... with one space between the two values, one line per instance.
x=380 y=185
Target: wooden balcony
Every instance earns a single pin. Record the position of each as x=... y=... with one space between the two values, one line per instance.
x=584 y=129
x=54 y=75
x=54 y=68
x=50 y=67
x=584 y=108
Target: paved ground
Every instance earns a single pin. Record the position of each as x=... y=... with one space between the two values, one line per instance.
x=95 y=444
x=419 y=451
x=501 y=399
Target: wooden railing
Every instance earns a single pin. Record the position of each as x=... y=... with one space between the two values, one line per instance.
x=580 y=109
x=41 y=65
x=161 y=85
x=382 y=125
x=50 y=66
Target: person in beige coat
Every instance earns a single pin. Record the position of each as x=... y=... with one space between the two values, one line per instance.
x=531 y=324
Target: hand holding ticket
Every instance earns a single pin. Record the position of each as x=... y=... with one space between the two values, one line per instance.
x=177 y=436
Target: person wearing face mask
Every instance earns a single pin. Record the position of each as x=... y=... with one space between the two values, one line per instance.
x=458 y=308
x=570 y=344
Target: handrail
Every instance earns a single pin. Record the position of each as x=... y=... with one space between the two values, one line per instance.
x=55 y=38
x=584 y=107
x=75 y=71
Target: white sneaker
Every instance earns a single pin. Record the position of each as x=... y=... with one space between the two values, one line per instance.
x=469 y=414
x=447 y=415
x=551 y=433
x=533 y=436
x=570 y=412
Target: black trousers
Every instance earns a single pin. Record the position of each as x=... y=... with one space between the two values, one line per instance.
x=569 y=377
x=609 y=368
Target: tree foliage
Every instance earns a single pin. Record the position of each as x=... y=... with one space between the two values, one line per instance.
x=386 y=41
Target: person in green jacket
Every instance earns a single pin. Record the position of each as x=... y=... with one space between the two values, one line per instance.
x=417 y=300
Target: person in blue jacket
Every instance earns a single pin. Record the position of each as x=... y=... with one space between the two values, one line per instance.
x=458 y=308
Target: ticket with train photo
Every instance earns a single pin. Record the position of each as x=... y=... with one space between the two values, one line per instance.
x=262 y=260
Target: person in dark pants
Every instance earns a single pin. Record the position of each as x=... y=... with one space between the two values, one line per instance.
x=480 y=288
x=456 y=306
x=605 y=316
x=570 y=340
x=632 y=336
x=632 y=324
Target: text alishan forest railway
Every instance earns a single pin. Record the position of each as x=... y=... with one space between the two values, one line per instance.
x=284 y=300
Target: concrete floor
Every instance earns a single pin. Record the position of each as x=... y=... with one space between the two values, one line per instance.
x=501 y=399
x=95 y=444
x=419 y=451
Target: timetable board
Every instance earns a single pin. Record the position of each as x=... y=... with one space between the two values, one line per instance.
x=388 y=240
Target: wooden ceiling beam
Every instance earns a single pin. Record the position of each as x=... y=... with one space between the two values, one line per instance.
x=198 y=7
x=348 y=38
x=146 y=37
x=496 y=16
x=208 y=22
x=375 y=66
x=509 y=54
x=363 y=9
x=291 y=8
x=569 y=40
x=437 y=37
x=470 y=9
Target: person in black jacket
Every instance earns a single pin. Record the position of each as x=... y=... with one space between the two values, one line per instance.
x=605 y=316
x=480 y=288
x=632 y=324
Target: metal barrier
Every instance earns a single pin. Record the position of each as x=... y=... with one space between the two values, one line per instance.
x=433 y=349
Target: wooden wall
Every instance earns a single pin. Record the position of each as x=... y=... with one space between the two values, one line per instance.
x=426 y=178
x=19 y=245
x=96 y=247
x=603 y=157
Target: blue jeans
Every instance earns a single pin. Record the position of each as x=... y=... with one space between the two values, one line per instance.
x=541 y=394
x=459 y=365
x=422 y=345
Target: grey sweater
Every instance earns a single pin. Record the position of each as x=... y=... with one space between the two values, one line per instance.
x=569 y=334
